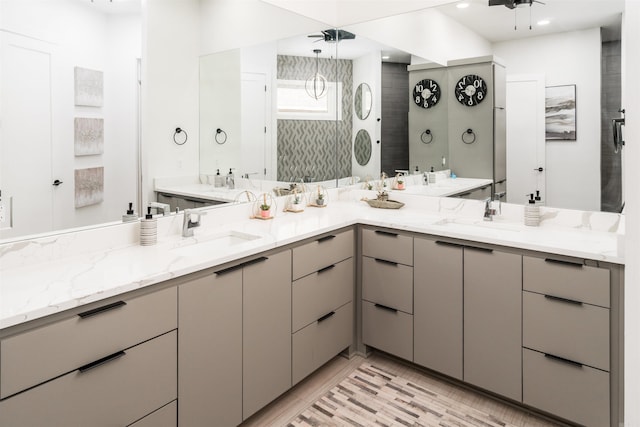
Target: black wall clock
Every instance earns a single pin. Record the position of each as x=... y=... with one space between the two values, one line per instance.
x=470 y=90
x=426 y=93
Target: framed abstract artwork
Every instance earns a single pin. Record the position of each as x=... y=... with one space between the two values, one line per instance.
x=560 y=113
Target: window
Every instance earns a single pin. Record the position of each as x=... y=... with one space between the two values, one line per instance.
x=295 y=104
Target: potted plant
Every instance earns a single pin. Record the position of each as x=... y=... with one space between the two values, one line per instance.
x=265 y=208
x=400 y=184
x=296 y=203
x=320 y=199
x=382 y=188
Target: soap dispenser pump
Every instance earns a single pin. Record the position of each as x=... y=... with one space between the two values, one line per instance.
x=130 y=215
x=531 y=212
x=432 y=176
x=148 y=229
x=230 y=180
x=219 y=180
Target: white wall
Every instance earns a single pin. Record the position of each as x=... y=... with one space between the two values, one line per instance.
x=572 y=167
x=428 y=34
x=169 y=89
x=631 y=103
x=368 y=69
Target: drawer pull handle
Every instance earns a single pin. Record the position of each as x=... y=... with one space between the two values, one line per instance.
x=568 y=301
x=239 y=266
x=325 y=238
x=101 y=362
x=322 y=270
x=443 y=243
x=567 y=263
x=384 y=261
x=386 y=233
x=562 y=359
x=479 y=249
x=326 y=316
x=384 y=307
x=102 y=309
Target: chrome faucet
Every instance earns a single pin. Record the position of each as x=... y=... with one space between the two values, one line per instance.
x=489 y=211
x=187 y=224
x=165 y=208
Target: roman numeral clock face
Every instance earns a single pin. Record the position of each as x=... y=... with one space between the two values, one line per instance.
x=470 y=90
x=426 y=93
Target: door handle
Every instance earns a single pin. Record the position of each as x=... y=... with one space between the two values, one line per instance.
x=57 y=182
x=540 y=169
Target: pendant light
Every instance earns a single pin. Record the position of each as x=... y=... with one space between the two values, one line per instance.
x=316 y=85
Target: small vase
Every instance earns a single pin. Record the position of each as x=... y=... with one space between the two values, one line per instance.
x=265 y=214
x=296 y=207
x=319 y=202
x=401 y=186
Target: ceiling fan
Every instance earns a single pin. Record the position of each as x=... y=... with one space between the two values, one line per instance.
x=333 y=35
x=512 y=4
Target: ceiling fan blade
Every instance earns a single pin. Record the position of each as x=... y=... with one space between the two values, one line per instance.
x=498 y=2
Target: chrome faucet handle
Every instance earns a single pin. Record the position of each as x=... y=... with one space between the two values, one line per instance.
x=187 y=224
x=489 y=212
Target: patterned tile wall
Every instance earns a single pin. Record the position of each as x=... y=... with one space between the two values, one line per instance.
x=317 y=149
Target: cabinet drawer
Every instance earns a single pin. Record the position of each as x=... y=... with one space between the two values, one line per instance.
x=579 y=394
x=166 y=416
x=321 y=253
x=35 y=356
x=316 y=344
x=390 y=246
x=387 y=330
x=317 y=294
x=578 y=332
x=387 y=283
x=118 y=392
x=572 y=281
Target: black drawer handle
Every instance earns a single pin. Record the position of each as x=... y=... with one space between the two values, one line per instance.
x=322 y=270
x=239 y=266
x=326 y=316
x=386 y=233
x=384 y=261
x=100 y=362
x=102 y=309
x=568 y=263
x=326 y=238
x=560 y=299
x=384 y=307
x=442 y=243
x=562 y=359
x=479 y=249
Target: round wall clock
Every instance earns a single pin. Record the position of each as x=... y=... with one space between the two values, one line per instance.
x=470 y=90
x=426 y=93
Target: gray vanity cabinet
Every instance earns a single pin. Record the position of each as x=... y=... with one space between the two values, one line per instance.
x=163 y=417
x=437 y=317
x=387 y=292
x=266 y=331
x=493 y=321
x=210 y=349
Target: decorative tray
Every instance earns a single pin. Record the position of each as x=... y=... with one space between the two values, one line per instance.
x=384 y=204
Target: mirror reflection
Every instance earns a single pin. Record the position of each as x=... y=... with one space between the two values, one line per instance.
x=363 y=102
x=362 y=147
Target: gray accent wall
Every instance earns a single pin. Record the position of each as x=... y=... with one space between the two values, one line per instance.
x=316 y=149
x=394 y=127
x=610 y=162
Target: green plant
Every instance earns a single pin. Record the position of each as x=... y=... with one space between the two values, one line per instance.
x=265 y=207
x=320 y=196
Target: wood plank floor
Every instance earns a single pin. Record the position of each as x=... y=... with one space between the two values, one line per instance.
x=304 y=394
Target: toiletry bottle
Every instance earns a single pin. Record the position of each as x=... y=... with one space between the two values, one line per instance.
x=148 y=229
x=538 y=199
x=130 y=215
x=230 y=180
x=417 y=171
x=531 y=212
x=218 y=181
x=432 y=176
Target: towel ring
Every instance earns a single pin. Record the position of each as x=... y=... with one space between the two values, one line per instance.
x=217 y=136
x=179 y=131
x=428 y=135
x=468 y=132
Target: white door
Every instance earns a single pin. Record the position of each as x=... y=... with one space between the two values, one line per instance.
x=26 y=179
x=525 y=137
x=254 y=125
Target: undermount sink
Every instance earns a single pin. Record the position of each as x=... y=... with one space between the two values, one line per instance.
x=212 y=243
x=496 y=225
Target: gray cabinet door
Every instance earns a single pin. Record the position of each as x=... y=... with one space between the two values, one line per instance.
x=266 y=319
x=210 y=347
x=437 y=317
x=493 y=321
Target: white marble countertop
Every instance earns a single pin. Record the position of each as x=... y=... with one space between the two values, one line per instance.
x=43 y=276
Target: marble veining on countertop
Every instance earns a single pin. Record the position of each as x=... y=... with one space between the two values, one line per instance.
x=44 y=276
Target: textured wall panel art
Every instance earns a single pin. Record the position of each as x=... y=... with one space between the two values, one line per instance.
x=88 y=136
x=89 y=184
x=308 y=148
x=88 y=87
x=560 y=113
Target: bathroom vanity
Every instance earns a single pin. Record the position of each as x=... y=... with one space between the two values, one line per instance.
x=211 y=328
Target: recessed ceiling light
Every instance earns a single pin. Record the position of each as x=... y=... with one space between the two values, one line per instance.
x=462 y=5
x=544 y=22
x=386 y=57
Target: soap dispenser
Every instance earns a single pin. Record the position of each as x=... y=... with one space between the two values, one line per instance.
x=432 y=176
x=219 y=180
x=148 y=229
x=230 y=180
x=130 y=215
x=531 y=212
